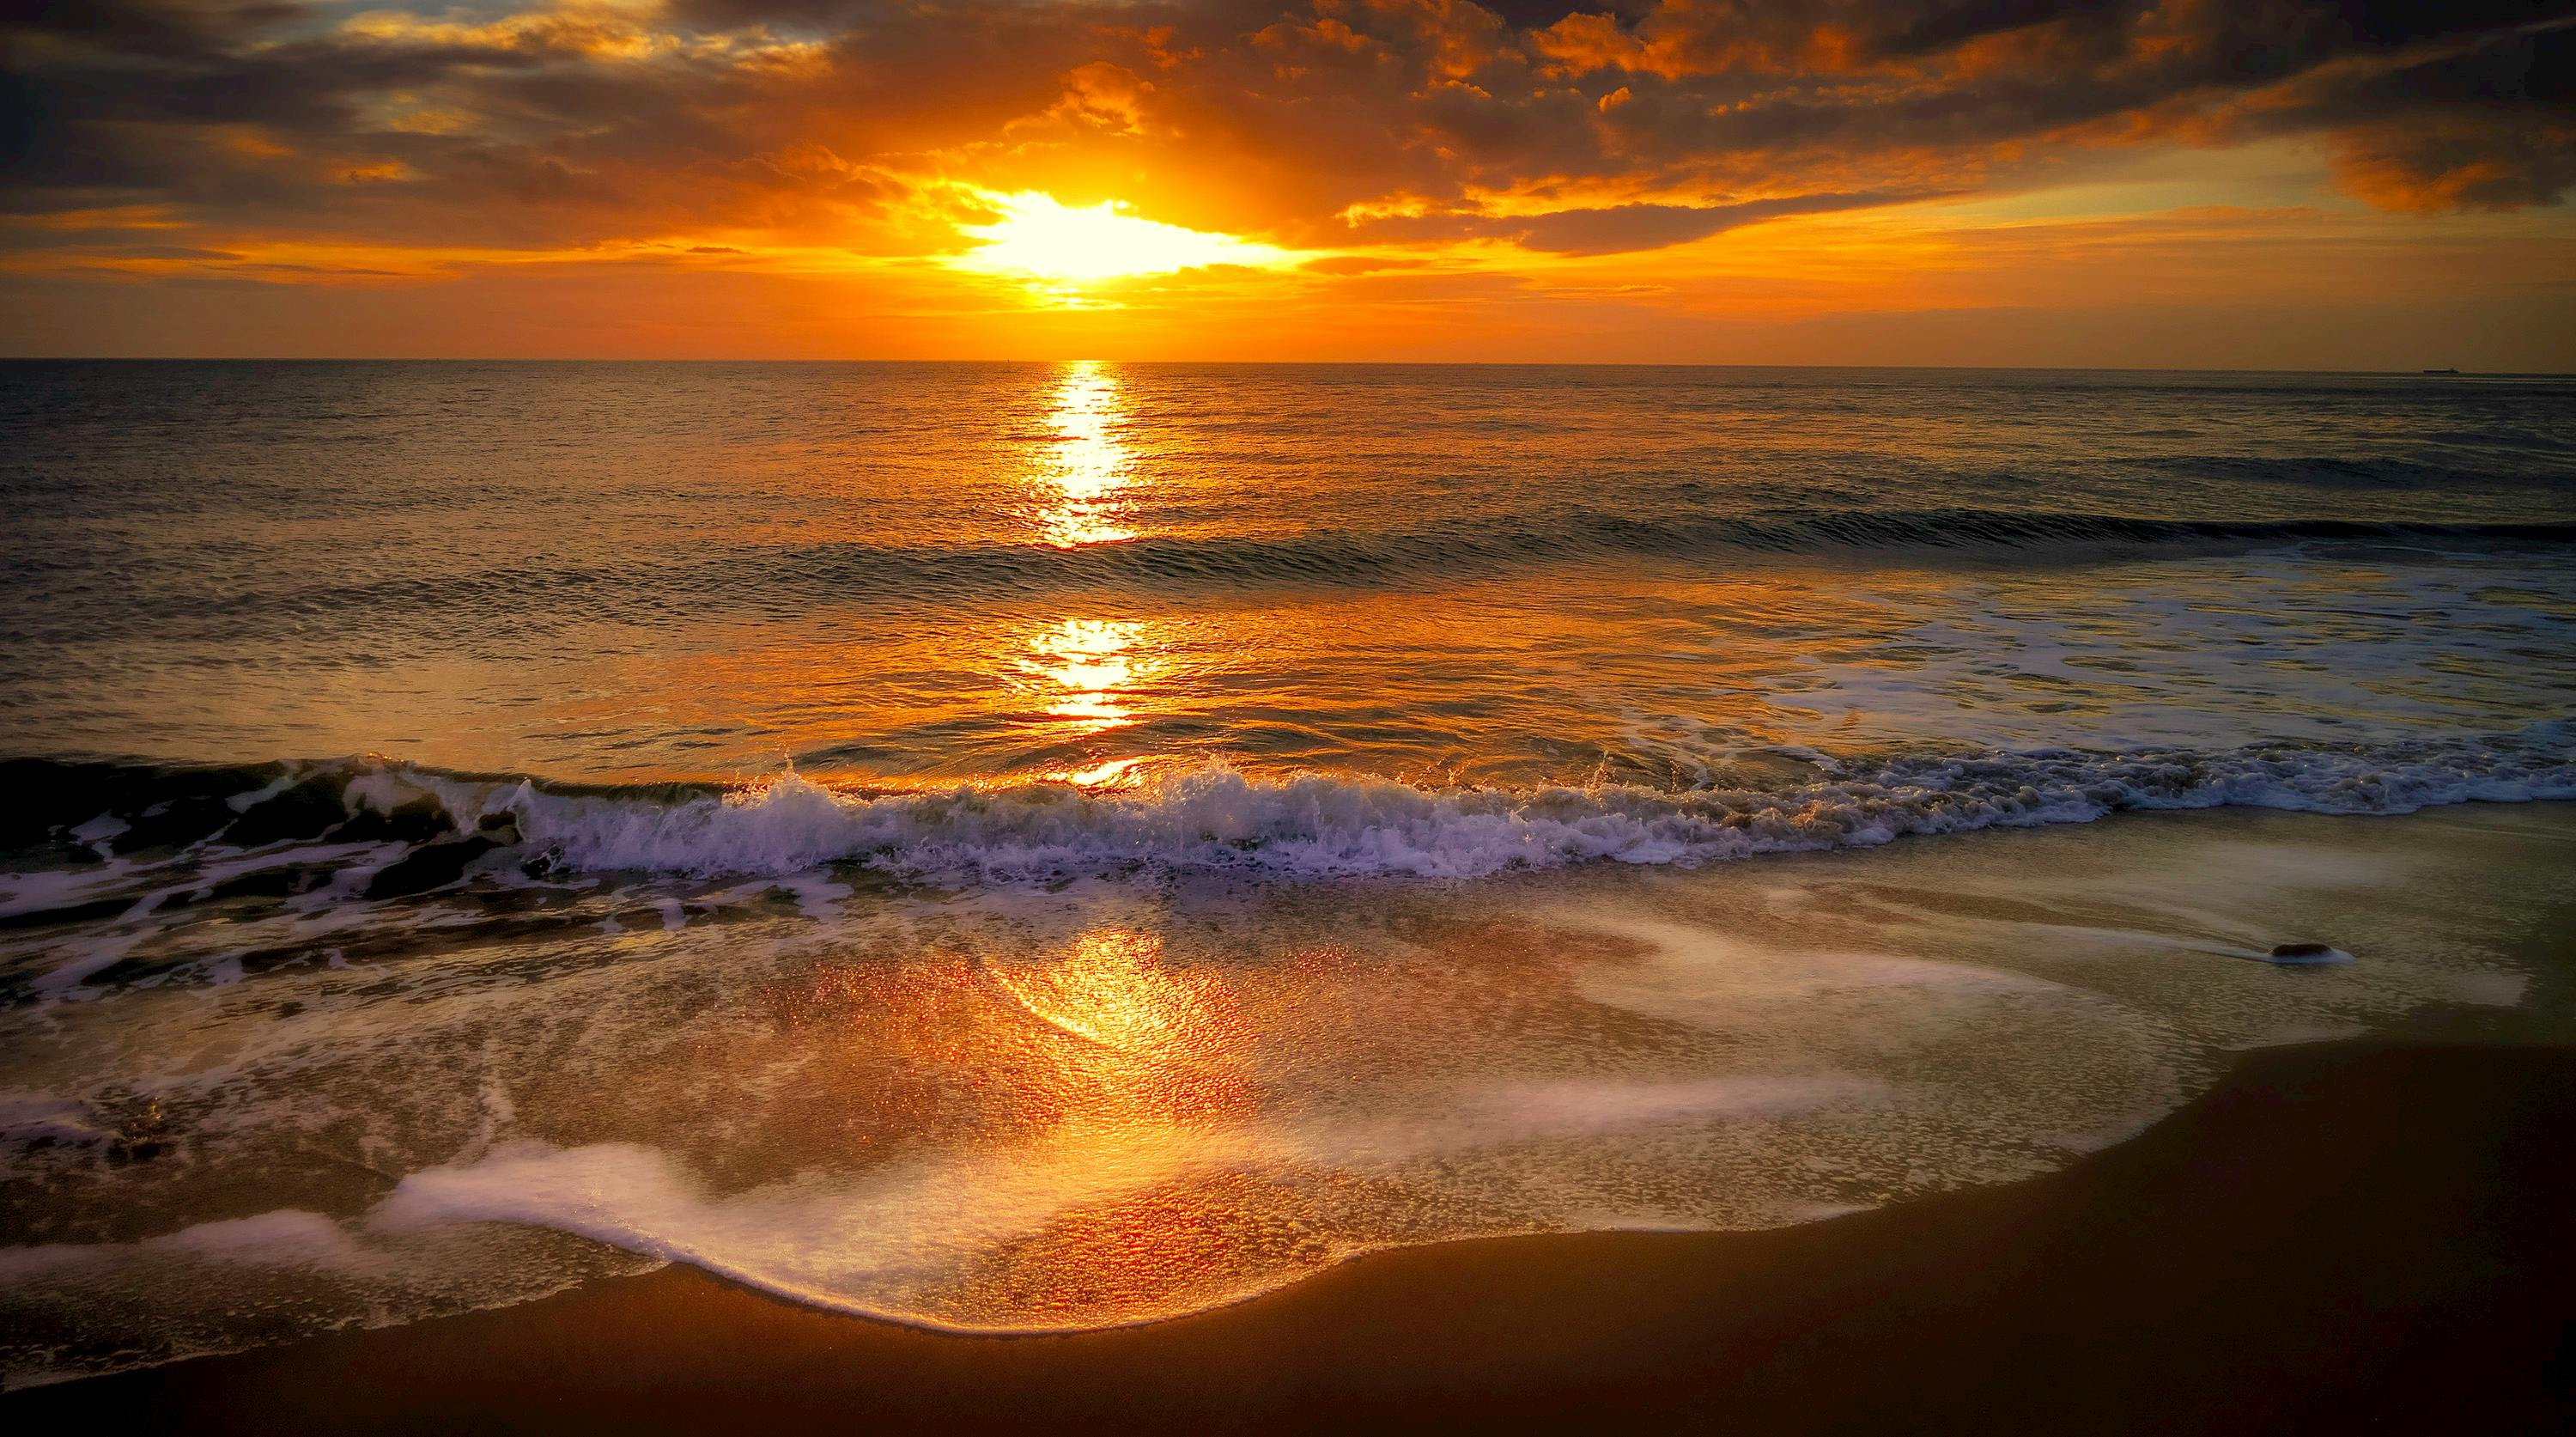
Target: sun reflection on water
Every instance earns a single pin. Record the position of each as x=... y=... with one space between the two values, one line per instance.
x=1091 y=663
x=1085 y=467
x=1085 y=676
x=1086 y=671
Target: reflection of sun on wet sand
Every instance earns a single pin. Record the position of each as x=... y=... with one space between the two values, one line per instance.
x=1154 y=1043
x=1152 y=1092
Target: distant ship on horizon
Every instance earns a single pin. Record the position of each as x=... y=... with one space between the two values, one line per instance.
x=2441 y=371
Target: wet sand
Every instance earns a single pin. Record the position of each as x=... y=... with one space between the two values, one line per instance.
x=2371 y=1235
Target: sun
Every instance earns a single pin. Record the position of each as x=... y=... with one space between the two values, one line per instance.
x=1040 y=237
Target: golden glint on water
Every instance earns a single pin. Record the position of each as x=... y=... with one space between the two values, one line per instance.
x=1084 y=471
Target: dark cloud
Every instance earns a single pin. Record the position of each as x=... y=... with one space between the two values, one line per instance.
x=2493 y=128
x=1568 y=127
x=1640 y=227
x=2486 y=125
x=2396 y=22
x=1931 y=29
x=1614 y=229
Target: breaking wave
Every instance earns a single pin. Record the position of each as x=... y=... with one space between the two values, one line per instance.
x=411 y=829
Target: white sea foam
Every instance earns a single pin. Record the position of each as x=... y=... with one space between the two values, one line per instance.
x=1212 y=817
x=27 y=1118
x=867 y=1245
x=1320 y=826
x=96 y=953
x=876 y=1244
x=884 y=1243
x=283 y=1238
x=51 y=888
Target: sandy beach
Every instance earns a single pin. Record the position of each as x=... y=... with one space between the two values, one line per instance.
x=2354 y=1235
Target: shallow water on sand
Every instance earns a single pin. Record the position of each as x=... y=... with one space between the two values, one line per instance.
x=1098 y=1103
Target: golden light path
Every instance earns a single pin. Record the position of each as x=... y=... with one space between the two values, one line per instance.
x=1087 y=670
x=1086 y=673
x=1093 y=661
x=1086 y=466
x=1043 y=692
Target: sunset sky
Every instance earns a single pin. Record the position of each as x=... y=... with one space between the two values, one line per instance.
x=2043 y=182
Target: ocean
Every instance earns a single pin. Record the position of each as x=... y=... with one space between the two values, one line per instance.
x=1010 y=847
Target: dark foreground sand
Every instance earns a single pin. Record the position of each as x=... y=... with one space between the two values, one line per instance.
x=2364 y=1235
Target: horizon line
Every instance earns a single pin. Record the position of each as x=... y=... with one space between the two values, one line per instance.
x=2428 y=373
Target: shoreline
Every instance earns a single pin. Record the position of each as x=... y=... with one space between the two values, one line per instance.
x=2360 y=1231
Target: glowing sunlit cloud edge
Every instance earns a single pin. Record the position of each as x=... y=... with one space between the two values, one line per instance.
x=1042 y=238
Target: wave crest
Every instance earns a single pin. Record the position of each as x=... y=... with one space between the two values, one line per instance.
x=1325 y=826
x=420 y=828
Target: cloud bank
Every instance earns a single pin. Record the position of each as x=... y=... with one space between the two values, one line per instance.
x=1340 y=122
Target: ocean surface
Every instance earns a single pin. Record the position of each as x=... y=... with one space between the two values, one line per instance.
x=1036 y=846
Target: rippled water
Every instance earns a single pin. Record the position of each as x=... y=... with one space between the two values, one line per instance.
x=928 y=573
x=1011 y=846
